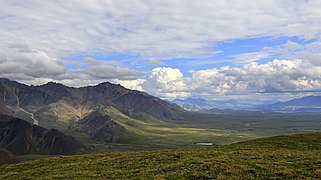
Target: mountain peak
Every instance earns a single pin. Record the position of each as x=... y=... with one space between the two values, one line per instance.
x=4 y=80
x=195 y=99
x=108 y=84
x=11 y=83
x=51 y=83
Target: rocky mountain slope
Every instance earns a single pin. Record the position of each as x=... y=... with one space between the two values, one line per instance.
x=34 y=97
x=55 y=105
x=21 y=137
x=101 y=127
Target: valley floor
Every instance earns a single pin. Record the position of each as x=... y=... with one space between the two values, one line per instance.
x=280 y=157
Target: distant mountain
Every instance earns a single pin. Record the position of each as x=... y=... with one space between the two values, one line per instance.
x=197 y=101
x=21 y=137
x=304 y=101
x=233 y=112
x=199 y=104
x=304 y=104
x=93 y=110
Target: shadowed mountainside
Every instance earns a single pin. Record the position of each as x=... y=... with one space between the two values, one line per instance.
x=21 y=137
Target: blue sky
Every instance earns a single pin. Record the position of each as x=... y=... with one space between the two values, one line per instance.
x=223 y=54
x=170 y=49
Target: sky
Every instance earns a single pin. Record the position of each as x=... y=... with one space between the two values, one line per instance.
x=214 y=49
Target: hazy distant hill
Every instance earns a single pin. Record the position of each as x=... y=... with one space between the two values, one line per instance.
x=304 y=101
x=199 y=104
x=304 y=104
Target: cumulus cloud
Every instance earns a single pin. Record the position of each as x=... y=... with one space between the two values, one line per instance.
x=131 y=84
x=165 y=82
x=284 y=75
x=281 y=75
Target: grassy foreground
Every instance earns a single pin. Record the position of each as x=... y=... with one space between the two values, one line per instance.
x=281 y=157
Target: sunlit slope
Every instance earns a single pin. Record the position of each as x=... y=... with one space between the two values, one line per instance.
x=137 y=129
x=288 y=156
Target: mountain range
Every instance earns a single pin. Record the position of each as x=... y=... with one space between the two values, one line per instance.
x=200 y=104
x=304 y=104
x=96 y=111
x=57 y=119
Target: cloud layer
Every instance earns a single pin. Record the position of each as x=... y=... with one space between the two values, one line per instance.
x=36 y=67
x=39 y=40
x=152 y=29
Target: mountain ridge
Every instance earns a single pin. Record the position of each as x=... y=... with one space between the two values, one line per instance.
x=298 y=105
x=54 y=105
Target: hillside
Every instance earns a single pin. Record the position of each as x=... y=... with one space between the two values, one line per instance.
x=7 y=157
x=282 y=157
x=21 y=137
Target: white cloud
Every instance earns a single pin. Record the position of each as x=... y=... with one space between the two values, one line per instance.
x=37 y=67
x=154 y=62
x=165 y=82
x=292 y=46
x=309 y=51
x=33 y=64
x=108 y=70
x=131 y=84
x=284 y=75
x=249 y=57
x=41 y=34
x=153 y=29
